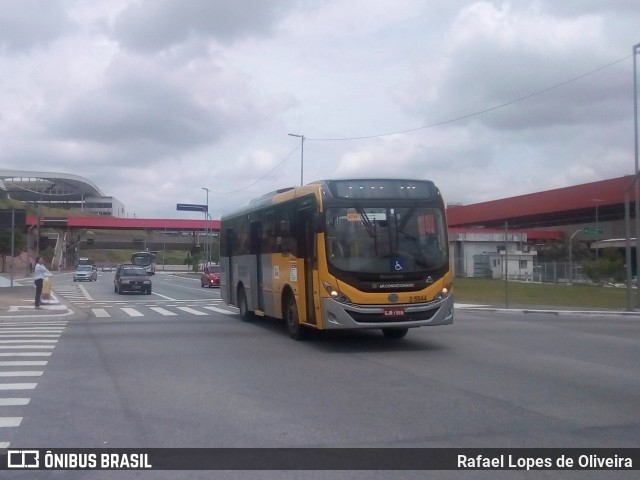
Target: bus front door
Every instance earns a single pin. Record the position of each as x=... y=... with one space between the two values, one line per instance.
x=256 y=243
x=307 y=249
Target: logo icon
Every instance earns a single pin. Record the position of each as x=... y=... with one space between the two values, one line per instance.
x=23 y=458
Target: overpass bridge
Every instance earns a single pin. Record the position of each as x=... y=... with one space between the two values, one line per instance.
x=70 y=235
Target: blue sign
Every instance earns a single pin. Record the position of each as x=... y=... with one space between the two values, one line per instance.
x=190 y=207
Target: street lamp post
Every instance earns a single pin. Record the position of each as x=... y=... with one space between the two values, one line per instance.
x=571 y=256
x=597 y=201
x=302 y=138
x=636 y=50
x=206 y=243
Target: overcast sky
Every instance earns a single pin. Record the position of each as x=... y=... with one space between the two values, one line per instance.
x=153 y=100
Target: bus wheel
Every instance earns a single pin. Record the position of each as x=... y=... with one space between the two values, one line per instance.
x=245 y=314
x=296 y=331
x=395 y=332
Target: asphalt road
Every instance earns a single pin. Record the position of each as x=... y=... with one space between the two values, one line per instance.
x=179 y=369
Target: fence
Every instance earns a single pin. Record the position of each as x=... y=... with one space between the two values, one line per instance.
x=559 y=272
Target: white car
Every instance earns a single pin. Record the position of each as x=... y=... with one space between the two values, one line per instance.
x=85 y=272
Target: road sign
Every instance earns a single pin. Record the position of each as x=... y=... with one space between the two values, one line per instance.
x=190 y=207
x=593 y=230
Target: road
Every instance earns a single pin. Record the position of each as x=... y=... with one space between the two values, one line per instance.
x=179 y=369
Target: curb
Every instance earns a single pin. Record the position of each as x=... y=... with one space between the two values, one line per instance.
x=525 y=311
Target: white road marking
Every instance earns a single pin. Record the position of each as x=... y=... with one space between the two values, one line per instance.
x=100 y=312
x=30 y=341
x=10 y=421
x=25 y=354
x=23 y=363
x=7 y=347
x=220 y=310
x=163 y=311
x=10 y=402
x=17 y=386
x=164 y=296
x=132 y=312
x=23 y=373
x=192 y=311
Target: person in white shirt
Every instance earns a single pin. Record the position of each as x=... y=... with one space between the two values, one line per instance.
x=39 y=273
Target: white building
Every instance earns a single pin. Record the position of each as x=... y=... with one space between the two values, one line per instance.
x=484 y=253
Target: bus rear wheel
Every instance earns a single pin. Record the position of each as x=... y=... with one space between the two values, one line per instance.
x=395 y=332
x=245 y=314
x=290 y=313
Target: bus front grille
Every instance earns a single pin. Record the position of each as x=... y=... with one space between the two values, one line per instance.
x=381 y=318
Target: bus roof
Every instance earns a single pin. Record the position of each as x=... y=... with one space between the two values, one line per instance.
x=354 y=188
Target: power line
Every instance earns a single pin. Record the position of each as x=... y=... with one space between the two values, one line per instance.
x=480 y=112
x=261 y=178
x=444 y=122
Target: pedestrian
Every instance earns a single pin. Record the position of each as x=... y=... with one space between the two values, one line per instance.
x=40 y=272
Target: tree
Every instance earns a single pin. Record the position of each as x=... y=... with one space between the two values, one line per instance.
x=559 y=251
x=5 y=244
x=610 y=265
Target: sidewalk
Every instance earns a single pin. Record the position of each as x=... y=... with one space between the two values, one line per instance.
x=17 y=301
x=544 y=310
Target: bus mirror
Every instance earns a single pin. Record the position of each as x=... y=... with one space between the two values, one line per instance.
x=285 y=228
x=317 y=222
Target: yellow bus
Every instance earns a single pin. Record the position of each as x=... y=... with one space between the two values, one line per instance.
x=341 y=254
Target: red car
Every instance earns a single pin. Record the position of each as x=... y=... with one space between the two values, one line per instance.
x=210 y=276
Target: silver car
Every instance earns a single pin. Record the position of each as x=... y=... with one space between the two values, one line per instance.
x=85 y=272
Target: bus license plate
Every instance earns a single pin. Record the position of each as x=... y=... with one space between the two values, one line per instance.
x=393 y=311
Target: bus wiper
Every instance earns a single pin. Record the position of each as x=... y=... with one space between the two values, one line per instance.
x=367 y=222
x=405 y=219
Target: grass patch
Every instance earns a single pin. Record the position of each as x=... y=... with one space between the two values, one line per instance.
x=527 y=294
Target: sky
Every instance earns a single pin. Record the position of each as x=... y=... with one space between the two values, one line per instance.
x=155 y=101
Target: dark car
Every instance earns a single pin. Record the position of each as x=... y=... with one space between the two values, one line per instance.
x=131 y=278
x=210 y=276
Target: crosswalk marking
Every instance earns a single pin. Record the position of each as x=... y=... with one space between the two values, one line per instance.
x=26 y=335
x=163 y=311
x=192 y=311
x=10 y=421
x=22 y=330
x=13 y=402
x=25 y=354
x=220 y=310
x=100 y=312
x=21 y=346
x=6 y=347
x=17 y=386
x=30 y=341
x=23 y=363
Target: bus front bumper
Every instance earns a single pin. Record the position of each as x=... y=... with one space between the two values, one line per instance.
x=349 y=316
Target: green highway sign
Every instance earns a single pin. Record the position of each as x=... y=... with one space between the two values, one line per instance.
x=593 y=230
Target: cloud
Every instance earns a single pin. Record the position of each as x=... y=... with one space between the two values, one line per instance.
x=27 y=24
x=155 y=25
x=155 y=99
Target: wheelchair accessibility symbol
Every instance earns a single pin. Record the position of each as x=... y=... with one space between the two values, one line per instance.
x=398 y=265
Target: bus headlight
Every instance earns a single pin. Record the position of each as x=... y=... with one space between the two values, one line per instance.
x=335 y=293
x=446 y=290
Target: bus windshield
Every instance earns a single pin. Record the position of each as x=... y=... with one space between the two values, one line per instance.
x=386 y=240
x=142 y=258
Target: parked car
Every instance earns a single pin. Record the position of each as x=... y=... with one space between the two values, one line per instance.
x=210 y=276
x=131 y=278
x=85 y=272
